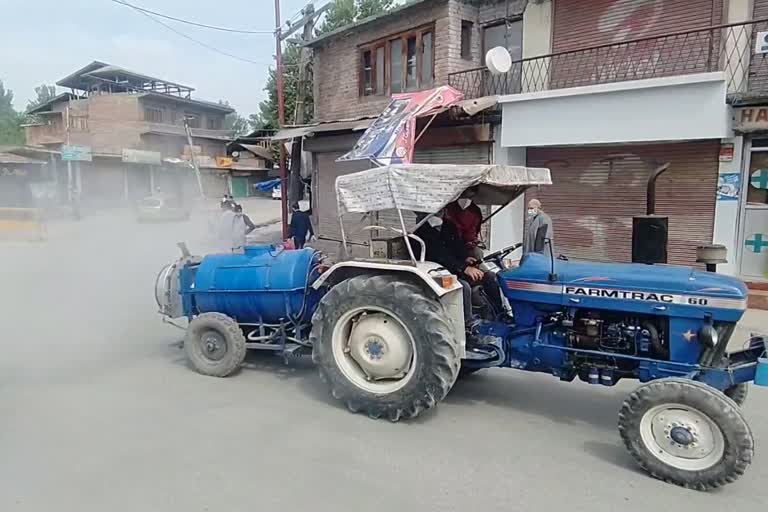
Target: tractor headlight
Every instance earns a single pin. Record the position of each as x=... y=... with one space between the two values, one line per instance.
x=708 y=336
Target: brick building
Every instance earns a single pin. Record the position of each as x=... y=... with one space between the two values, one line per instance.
x=416 y=46
x=133 y=127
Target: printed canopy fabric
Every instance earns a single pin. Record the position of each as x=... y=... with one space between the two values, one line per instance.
x=428 y=188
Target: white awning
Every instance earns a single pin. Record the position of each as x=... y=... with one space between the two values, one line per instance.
x=428 y=188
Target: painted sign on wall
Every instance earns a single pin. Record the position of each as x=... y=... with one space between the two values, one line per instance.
x=136 y=156
x=76 y=153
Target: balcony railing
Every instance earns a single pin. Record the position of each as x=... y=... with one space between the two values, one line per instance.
x=727 y=48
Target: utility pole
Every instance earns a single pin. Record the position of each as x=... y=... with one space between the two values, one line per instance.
x=296 y=183
x=281 y=117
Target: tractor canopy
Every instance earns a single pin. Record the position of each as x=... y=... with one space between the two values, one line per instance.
x=429 y=188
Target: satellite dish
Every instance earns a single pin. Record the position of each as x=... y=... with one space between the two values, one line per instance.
x=498 y=60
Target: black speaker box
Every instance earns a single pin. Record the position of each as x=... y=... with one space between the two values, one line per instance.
x=650 y=235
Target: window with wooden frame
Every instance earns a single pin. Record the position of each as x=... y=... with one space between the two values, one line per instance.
x=401 y=63
x=466 y=39
x=153 y=114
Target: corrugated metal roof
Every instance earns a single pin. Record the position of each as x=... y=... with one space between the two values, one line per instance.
x=65 y=96
x=258 y=151
x=10 y=158
x=334 y=126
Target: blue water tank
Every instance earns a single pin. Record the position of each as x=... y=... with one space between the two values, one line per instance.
x=265 y=284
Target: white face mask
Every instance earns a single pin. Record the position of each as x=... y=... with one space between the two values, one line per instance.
x=532 y=212
x=464 y=203
x=435 y=222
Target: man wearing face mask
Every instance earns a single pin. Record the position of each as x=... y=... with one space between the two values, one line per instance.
x=437 y=237
x=466 y=216
x=537 y=220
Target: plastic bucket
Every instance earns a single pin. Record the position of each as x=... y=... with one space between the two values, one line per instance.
x=761 y=374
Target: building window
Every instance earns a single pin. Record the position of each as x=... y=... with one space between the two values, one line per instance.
x=507 y=34
x=402 y=63
x=215 y=123
x=192 y=119
x=466 y=40
x=153 y=115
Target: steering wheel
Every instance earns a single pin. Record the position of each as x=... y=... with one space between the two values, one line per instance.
x=503 y=252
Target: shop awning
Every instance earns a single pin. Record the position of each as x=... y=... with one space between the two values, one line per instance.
x=336 y=126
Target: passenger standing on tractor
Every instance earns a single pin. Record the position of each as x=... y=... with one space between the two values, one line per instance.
x=467 y=217
x=300 y=227
x=538 y=221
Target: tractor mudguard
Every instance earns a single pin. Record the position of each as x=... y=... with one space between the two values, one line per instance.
x=434 y=279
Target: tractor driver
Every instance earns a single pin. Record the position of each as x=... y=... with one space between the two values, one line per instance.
x=445 y=247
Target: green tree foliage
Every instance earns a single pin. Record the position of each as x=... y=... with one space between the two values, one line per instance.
x=234 y=122
x=43 y=94
x=266 y=118
x=340 y=14
x=11 y=132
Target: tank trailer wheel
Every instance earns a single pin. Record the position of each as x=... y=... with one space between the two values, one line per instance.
x=384 y=348
x=214 y=344
x=738 y=393
x=686 y=433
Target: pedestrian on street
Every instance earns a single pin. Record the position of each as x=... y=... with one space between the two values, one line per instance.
x=231 y=230
x=300 y=227
x=249 y=225
x=538 y=221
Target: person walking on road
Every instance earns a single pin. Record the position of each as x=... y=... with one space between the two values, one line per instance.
x=300 y=227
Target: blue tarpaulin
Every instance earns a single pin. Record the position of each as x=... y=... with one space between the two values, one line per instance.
x=267 y=186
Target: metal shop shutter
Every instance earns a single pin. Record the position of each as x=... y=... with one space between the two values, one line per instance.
x=579 y=24
x=324 y=208
x=468 y=154
x=596 y=191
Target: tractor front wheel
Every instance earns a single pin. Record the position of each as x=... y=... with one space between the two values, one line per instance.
x=687 y=433
x=214 y=344
x=384 y=347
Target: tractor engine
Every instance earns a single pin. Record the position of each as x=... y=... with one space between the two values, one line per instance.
x=616 y=333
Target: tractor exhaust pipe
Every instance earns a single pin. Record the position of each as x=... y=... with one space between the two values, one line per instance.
x=650 y=232
x=650 y=202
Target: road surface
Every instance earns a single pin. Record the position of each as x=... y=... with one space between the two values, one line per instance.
x=100 y=413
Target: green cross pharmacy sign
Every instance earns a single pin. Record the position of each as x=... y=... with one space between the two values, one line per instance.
x=759 y=179
x=757 y=243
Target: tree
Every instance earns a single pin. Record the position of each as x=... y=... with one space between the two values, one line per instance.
x=11 y=132
x=266 y=118
x=346 y=12
x=234 y=122
x=366 y=8
x=43 y=94
x=340 y=14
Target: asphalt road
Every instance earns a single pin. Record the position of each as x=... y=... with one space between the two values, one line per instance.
x=99 y=412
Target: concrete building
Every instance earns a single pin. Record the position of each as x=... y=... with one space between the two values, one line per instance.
x=128 y=129
x=606 y=91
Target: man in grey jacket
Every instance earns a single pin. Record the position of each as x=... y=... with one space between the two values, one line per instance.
x=538 y=220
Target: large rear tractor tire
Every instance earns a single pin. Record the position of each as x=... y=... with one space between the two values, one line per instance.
x=738 y=393
x=686 y=433
x=385 y=348
x=214 y=344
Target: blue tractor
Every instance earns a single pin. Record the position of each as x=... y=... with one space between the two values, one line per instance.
x=389 y=337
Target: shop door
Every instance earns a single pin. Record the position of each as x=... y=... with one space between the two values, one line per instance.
x=597 y=190
x=239 y=186
x=754 y=240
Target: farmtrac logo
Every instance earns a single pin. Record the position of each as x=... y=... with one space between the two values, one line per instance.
x=605 y=293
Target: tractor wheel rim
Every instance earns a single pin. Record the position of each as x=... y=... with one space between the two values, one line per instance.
x=374 y=349
x=683 y=437
x=213 y=346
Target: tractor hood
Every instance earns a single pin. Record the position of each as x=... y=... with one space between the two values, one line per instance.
x=654 y=289
x=664 y=279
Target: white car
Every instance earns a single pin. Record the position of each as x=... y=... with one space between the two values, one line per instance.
x=277 y=192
